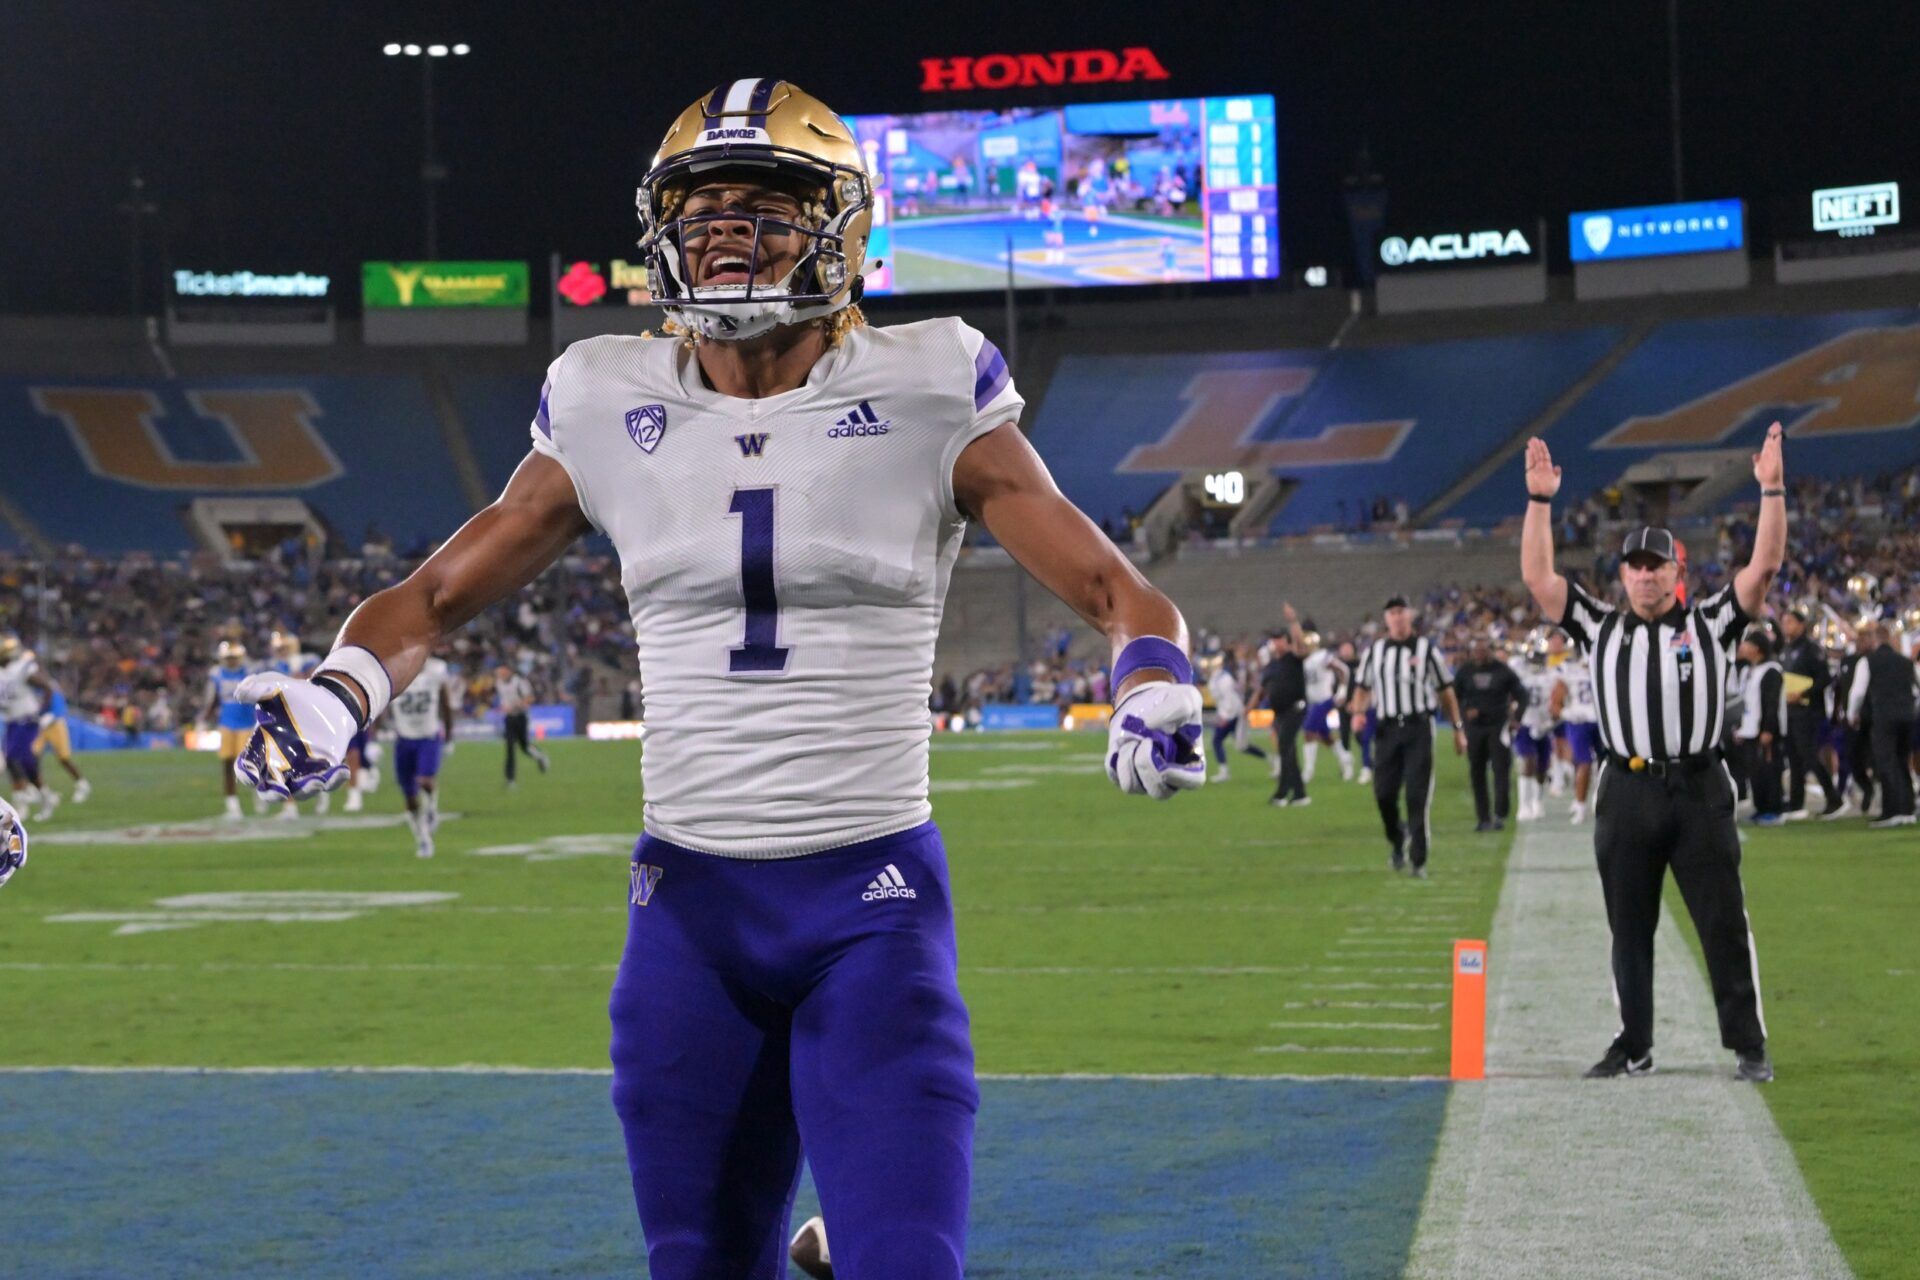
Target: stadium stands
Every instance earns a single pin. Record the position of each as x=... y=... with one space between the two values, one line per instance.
x=109 y=463
x=1352 y=425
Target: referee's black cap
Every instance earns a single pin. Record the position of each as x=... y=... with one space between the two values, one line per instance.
x=1649 y=541
x=1395 y=602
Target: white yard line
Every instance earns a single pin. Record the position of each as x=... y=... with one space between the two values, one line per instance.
x=1540 y=1173
x=488 y=1069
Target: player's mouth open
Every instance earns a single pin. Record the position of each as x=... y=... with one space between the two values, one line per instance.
x=728 y=268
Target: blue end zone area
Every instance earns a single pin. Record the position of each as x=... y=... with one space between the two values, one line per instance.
x=1843 y=383
x=433 y=1175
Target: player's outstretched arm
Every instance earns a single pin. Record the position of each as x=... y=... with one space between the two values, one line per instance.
x=305 y=724
x=503 y=548
x=1536 y=534
x=1770 y=532
x=1154 y=749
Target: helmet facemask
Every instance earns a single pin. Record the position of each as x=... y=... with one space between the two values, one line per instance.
x=830 y=198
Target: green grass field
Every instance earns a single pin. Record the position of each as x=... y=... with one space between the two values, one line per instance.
x=1210 y=935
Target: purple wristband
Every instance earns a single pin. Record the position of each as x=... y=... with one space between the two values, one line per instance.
x=1151 y=651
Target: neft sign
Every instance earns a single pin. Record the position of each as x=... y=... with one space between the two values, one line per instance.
x=1458 y=248
x=1025 y=70
x=1857 y=211
x=245 y=284
x=1710 y=226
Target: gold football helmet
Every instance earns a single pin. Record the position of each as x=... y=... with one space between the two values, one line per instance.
x=773 y=127
x=9 y=646
x=231 y=654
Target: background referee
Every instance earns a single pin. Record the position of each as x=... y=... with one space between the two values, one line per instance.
x=1404 y=678
x=1664 y=797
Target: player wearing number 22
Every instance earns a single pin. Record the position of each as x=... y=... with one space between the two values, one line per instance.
x=787 y=489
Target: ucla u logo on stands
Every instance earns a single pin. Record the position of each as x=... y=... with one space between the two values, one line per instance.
x=641 y=882
x=647 y=425
x=753 y=444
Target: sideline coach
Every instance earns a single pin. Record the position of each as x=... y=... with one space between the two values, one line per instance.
x=1664 y=797
x=1404 y=678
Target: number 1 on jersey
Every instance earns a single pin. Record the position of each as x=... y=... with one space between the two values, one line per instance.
x=757 y=653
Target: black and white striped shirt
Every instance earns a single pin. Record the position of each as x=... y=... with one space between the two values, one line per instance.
x=1403 y=677
x=1661 y=685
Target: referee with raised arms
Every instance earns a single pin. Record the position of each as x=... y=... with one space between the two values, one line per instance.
x=1664 y=796
x=1405 y=680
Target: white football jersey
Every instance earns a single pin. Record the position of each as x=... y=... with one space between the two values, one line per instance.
x=1324 y=671
x=416 y=712
x=786 y=560
x=1581 y=706
x=1539 y=681
x=1228 y=701
x=18 y=699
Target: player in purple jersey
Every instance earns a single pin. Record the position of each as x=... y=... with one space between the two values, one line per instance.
x=787 y=490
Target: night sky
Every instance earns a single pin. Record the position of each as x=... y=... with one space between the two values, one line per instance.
x=276 y=136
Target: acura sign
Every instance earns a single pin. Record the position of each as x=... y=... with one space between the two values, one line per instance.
x=1495 y=247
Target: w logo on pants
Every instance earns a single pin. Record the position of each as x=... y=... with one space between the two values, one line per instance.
x=641 y=882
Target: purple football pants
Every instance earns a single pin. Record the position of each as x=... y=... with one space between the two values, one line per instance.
x=766 y=1008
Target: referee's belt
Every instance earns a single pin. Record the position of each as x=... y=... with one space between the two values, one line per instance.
x=1415 y=718
x=1697 y=763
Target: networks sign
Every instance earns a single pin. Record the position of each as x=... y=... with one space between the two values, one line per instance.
x=1493 y=248
x=245 y=284
x=1857 y=211
x=1711 y=226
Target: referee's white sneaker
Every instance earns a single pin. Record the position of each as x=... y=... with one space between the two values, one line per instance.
x=809 y=1249
x=1841 y=810
x=1898 y=820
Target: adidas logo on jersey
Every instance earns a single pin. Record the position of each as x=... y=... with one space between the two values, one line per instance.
x=863 y=421
x=888 y=884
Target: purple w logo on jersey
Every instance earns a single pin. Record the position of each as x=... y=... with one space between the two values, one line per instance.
x=647 y=425
x=752 y=444
x=641 y=882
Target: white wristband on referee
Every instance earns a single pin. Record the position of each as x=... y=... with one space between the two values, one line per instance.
x=365 y=670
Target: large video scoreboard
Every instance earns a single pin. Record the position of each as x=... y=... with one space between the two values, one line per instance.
x=1104 y=193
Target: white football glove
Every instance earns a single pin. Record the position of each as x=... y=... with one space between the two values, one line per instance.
x=300 y=748
x=13 y=842
x=1153 y=741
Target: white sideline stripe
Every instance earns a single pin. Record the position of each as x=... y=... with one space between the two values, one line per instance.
x=1541 y=1173
x=998 y=971
x=1358 y=1026
x=1424 y=1006
x=485 y=1069
x=1336 y=1048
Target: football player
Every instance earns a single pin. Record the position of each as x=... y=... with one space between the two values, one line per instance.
x=1579 y=712
x=422 y=719
x=13 y=856
x=788 y=489
x=22 y=684
x=55 y=737
x=1329 y=684
x=234 y=716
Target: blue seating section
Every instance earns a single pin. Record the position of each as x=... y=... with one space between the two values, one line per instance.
x=1847 y=386
x=112 y=464
x=1349 y=425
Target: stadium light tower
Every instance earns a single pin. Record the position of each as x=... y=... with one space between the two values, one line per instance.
x=432 y=172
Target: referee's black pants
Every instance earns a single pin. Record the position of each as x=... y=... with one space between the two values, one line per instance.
x=1803 y=757
x=1403 y=758
x=1489 y=745
x=516 y=727
x=1286 y=741
x=1684 y=819
x=1892 y=744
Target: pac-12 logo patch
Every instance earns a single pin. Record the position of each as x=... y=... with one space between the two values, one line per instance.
x=647 y=425
x=642 y=880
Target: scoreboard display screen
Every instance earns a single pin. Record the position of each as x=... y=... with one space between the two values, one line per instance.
x=1104 y=193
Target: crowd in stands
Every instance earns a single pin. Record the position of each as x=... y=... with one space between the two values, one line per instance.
x=132 y=638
